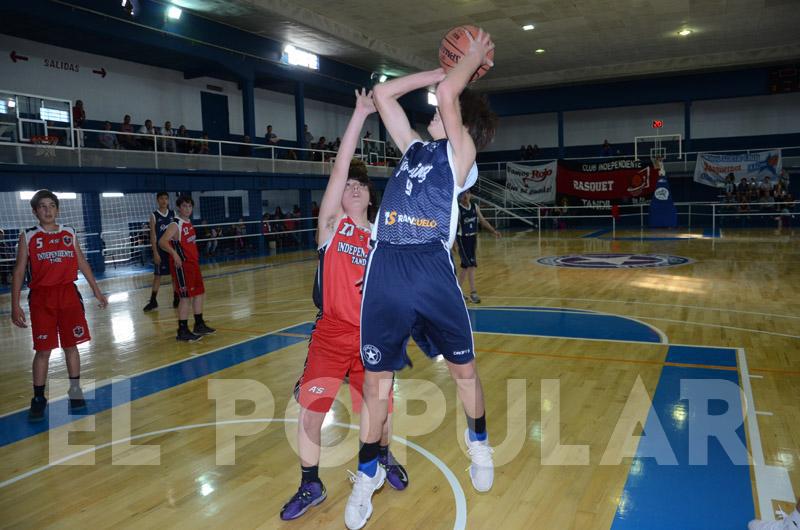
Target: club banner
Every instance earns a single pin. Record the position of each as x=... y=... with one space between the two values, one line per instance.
x=531 y=184
x=713 y=169
x=606 y=180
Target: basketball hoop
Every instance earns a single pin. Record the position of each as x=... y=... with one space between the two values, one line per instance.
x=44 y=145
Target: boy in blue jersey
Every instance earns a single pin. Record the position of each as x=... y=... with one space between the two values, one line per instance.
x=410 y=283
x=469 y=216
x=160 y=219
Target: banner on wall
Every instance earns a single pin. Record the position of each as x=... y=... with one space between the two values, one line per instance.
x=531 y=184
x=713 y=169
x=598 y=183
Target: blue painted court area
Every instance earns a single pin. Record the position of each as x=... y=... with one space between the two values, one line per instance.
x=711 y=488
x=555 y=322
x=15 y=427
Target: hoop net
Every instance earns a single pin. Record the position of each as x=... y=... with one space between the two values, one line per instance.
x=44 y=145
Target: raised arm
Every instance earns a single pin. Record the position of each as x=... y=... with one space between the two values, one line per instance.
x=393 y=116
x=330 y=209
x=447 y=96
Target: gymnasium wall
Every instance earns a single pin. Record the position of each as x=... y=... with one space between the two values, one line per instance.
x=148 y=92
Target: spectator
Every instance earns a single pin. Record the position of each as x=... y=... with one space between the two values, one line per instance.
x=766 y=185
x=291 y=155
x=200 y=147
x=146 y=142
x=240 y=230
x=78 y=119
x=730 y=187
x=336 y=144
x=271 y=137
x=534 y=151
x=523 y=154
x=246 y=150
x=783 y=179
x=182 y=144
x=742 y=192
x=127 y=141
x=266 y=228
x=214 y=235
x=108 y=139
x=753 y=188
x=607 y=149
x=168 y=144
x=307 y=136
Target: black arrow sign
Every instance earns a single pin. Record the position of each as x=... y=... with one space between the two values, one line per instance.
x=101 y=72
x=15 y=57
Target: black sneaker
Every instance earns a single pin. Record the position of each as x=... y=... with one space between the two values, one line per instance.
x=185 y=335
x=176 y=300
x=76 y=401
x=36 y=412
x=203 y=329
x=152 y=304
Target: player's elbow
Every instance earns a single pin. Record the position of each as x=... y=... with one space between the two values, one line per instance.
x=381 y=92
x=447 y=93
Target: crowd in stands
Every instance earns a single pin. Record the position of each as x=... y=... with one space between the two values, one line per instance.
x=749 y=194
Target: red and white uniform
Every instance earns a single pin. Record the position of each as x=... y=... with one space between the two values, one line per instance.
x=334 y=350
x=187 y=280
x=56 y=306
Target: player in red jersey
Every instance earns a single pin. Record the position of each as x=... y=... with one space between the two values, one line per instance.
x=179 y=242
x=51 y=254
x=343 y=233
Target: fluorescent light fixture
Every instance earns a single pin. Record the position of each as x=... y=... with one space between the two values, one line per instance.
x=298 y=57
x=528 y=27
x=28 y=195
x=539 y=50
x=112 y=194
x=684 y=32
x=432 y=99
x=12 y=103
x=174 y=12
x=382 y=78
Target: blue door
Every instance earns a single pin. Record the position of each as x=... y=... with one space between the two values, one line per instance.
x=215 y=116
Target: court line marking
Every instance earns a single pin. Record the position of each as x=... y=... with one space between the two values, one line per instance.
x=661 y=335
x=772 y=482
x=458 y=493
x=726 y=310
x=104 y=382
x=763 y=413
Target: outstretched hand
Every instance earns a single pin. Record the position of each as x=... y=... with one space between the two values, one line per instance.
x=481 y=45
x=364 y=101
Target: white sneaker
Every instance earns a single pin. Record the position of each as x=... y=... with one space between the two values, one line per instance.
x=482 y=469
x=786 y=522
x=359 y=504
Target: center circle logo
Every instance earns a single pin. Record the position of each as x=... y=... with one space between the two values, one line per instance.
x=370 y=354
x=614 y=261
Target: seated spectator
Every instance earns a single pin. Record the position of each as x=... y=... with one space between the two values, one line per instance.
x=200 y=147
x=523 y=154
x=127 y=141
x=291 y=155
x=607 y=150
x=108 y=139
x=168 y=144
x=146 y=141
x=246 y=150
x=534 y=151
x=307 y=136
x=336 y=144
x=319 y=155
x=183 y=144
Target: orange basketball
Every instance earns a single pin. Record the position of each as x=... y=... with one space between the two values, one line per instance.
x=455 y=44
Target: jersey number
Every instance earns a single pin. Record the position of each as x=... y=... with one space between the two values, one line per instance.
x=39 y=243
x=347 y=230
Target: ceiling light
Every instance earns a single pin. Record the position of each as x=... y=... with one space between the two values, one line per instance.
x=112 y=194
x=539 y=50
x=382 y=78
x=528 y=27
x=685 y=32
x=174 y=12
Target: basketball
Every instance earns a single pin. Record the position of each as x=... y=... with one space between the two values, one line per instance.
x=455 y=44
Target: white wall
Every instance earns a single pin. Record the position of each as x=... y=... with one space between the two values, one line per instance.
x=514 y=131
x=620 y=124
x=775 y=114
x=276 y=109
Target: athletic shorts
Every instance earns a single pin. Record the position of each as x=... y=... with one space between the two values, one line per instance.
x=333 y=353
x=163 y=269
x=187 y=281
x=412 y=290
x=57 y=317
x=466 y=246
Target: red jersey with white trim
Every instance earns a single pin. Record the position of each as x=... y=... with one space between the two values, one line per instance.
x=184 y=242
x=341 y=271
x=52 y=259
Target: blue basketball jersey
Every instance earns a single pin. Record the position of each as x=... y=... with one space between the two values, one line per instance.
x=467 y=220
x=420 y=200
x=163 y=221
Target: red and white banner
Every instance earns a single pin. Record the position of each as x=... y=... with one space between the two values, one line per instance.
x=606 y=179
x=531 y=184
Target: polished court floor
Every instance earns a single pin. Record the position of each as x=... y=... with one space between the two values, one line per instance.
x=701 y=359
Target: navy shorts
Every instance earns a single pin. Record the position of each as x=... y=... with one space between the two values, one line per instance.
x=412 y=290
x=163 y=269
x=466 y=246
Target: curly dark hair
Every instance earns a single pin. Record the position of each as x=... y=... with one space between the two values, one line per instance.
x=358 y=172
x=478 y=117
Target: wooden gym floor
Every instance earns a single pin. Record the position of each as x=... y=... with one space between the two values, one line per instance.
x=575 y=362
